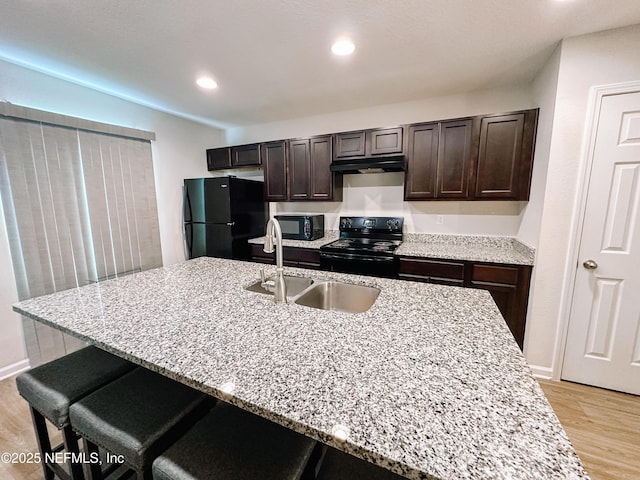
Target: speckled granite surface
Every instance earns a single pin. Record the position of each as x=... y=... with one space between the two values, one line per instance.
x=467 y=247
x=329 y=236
x=476 y=248
x=428 y=383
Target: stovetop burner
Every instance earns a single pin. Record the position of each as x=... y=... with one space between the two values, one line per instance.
x=367 y=235
x=365 y=246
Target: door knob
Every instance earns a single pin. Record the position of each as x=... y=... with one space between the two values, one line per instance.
x=590 y=265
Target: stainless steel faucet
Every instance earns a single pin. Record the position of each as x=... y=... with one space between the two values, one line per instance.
x=274 y=232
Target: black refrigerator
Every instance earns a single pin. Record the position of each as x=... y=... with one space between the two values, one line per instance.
x=221 y=214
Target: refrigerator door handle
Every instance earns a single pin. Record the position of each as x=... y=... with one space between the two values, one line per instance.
x=187 y=203
x=188 y=233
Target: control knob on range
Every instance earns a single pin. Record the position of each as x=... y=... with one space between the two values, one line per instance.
x=346 y=223
x=393 y=224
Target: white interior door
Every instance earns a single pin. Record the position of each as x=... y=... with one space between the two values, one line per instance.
x=603 y=341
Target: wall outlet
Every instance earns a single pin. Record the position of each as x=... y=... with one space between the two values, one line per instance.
x=439 y=219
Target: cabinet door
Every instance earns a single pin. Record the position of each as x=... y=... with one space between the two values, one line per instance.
x=218 y=158
x=299 y=170
x=509 y=287
x=245 y=155
x=322 y=178
x=274 y=155
x=422 y=160
x=349 y=144
x=385 y=141
x=505 y=156
x=454 y=149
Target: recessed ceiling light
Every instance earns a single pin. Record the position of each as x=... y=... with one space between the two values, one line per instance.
x=207 y=82
x=343 y=46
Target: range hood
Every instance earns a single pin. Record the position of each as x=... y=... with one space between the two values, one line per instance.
x=390 y=163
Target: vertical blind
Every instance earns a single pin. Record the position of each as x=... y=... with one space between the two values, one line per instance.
x=79 y=207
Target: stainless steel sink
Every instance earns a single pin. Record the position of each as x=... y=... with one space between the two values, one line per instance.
x=343 y=297
x=295 y=285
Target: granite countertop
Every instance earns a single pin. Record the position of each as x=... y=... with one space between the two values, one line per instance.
x=428 y=383
x=477 y=248
x=329 y=236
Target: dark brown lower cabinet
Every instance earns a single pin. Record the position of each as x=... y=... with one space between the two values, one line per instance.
x=443 y=272
x=293 y=256
x=508 y=284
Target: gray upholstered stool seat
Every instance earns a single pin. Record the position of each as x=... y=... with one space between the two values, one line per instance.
x=52 y=387
x=137 y=416
x=231 y=444
x=341 y=466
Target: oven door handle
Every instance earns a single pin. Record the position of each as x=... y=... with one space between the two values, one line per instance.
x=357 y=257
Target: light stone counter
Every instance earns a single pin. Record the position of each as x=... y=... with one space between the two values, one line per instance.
x=329 y=236
x=478 y=248
x=428 y=383
x=505 y=250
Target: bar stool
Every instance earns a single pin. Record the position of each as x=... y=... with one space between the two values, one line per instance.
x=51 y=388
x=338 y=465
x=231 y=444
x=136 y=417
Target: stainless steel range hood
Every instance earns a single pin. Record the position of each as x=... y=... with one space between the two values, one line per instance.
x=391 y=163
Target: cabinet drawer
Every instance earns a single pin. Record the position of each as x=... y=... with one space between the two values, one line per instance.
x=495 y=274
x=259 y=255
x=433 y=269
x=307 y=256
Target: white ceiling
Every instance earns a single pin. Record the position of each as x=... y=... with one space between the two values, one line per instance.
x=272 y=58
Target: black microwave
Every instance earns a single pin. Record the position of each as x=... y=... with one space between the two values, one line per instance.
x=301 y=227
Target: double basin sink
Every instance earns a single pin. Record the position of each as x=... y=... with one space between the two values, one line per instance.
x=325 y=295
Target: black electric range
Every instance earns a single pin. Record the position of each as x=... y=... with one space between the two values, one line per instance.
x=365 y=246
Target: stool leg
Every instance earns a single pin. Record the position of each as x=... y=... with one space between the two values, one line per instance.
x=94 y=468
x=70 y=441
x=42 y=437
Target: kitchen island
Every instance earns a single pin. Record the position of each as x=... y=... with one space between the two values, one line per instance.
x=428 y=383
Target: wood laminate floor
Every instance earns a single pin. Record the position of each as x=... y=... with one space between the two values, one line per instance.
x=604 y=428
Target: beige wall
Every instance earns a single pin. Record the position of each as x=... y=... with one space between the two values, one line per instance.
x=586 y=61
x=178 y=153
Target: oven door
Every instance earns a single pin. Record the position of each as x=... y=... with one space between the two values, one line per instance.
x=375 y=265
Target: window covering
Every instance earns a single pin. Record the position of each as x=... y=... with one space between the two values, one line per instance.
x=79 y=207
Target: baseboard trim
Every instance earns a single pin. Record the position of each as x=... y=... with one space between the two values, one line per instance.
x=14 y=369
x=545 y=373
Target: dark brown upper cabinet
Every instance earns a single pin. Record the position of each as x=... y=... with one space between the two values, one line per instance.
x=438 y=160
x=349 y=144
x=454 y=159
x=505 y=156
x=218 y=158
x=298 y=169
x=422 y=161
x=366 y=143
x=299 y=178
x=488 y=157
x=274 y=162
x=324 y=184
x=246 y=155
x=233 y=157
